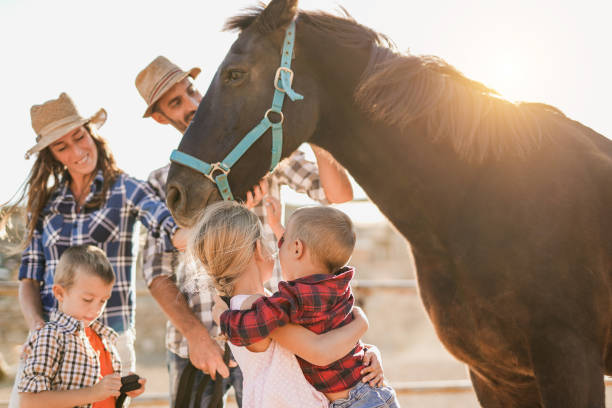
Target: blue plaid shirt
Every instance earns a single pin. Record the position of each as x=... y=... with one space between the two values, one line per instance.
x=109 y=227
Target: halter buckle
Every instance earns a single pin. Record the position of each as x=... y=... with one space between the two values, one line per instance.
x=282 y=117
x=277 y=78
x=216 y=166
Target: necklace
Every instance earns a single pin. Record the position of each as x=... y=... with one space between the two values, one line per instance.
x=78 y=197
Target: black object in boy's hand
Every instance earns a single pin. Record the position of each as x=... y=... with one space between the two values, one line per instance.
x=129 y=383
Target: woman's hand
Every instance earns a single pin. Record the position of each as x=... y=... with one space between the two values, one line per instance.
x=373 y=372
x=179 y=239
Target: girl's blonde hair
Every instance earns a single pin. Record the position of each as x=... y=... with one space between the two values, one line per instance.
x=224 y=241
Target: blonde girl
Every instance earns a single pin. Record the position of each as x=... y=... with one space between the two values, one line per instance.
x=227 y=240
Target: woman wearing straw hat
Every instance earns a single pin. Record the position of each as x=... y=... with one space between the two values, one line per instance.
x=77 y=195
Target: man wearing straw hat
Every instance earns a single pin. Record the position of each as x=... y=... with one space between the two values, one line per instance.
x=172 y=99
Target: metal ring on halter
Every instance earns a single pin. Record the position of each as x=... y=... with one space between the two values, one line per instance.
x=277 y=77
x=216 y=166
x=280 y=113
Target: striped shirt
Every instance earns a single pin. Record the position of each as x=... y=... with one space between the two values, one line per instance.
x=110 y=227
x=296 y=172
x=60 y=357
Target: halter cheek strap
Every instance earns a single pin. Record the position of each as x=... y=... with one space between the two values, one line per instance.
x=283 y=79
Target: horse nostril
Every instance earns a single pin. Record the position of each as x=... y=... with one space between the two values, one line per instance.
x=174 y=198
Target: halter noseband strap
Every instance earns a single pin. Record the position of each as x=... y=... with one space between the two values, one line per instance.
x=282 y=85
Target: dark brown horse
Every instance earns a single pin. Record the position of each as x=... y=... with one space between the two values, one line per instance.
x=508 y=207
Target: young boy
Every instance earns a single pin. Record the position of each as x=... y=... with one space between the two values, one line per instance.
x=313 y=250
x=72 y=361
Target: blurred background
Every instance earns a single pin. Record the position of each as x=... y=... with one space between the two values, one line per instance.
x=554 y=52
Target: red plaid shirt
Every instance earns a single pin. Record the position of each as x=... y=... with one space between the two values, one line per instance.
x=320 y=303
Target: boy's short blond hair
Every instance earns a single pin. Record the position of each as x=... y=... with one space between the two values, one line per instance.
x=327 y=232
x=85 y=258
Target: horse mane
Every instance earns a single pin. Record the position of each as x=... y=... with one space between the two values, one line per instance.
x=345 y=29
x=399 y=89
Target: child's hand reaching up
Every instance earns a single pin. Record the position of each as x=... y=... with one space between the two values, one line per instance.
x=274 y=211
x=256 y=194
x=373 y=372
x=107 y=387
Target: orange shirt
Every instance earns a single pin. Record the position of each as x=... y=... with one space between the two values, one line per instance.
x=106 y=365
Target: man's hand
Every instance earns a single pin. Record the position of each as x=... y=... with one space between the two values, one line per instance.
x=373 y=372
x=107 y=387
x=206 y=355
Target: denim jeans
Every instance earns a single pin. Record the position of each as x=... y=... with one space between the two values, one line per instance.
x=176 y=364
x=365 y=396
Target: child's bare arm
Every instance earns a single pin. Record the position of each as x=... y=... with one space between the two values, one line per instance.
x=274 y=210
x=107 y=387
x=322 y=349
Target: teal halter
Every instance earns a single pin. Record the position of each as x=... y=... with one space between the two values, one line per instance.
x=282 y=84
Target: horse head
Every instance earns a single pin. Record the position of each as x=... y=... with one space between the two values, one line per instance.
x=237 y=99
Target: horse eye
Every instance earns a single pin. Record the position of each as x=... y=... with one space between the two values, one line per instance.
x=234 y=75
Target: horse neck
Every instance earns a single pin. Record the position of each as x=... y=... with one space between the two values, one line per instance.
x=415 y=182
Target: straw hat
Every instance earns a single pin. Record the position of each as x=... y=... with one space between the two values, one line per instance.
x=159 y=76
x=54 y=118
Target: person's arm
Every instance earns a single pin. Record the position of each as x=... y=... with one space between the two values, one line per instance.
x=334 y=180
x=245 y=327
x=322 y=349
x=29 y=300
x=107 y=387
x=272 y=205
x=204 y=352
x=274 y=212
x=31 y=272
x=158 y=269
x=152 y=213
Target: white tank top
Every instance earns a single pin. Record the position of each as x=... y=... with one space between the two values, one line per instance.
x=273 y=378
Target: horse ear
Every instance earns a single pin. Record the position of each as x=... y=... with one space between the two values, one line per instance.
x=278 y=14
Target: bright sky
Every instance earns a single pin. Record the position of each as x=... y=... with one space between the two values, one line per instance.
x=555 y=52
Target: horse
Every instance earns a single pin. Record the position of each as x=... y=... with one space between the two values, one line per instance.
x=506 y=205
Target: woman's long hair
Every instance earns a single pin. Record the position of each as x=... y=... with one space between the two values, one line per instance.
x=46 y=175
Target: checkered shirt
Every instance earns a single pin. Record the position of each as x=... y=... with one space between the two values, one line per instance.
x=320 y=302
x=110 y=227
x=295 y=171
x=60 y=357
